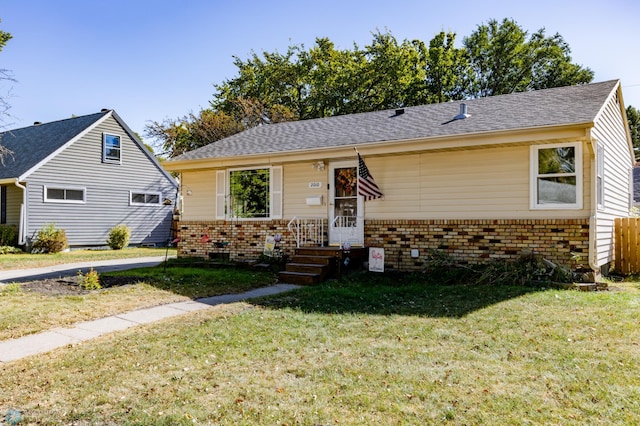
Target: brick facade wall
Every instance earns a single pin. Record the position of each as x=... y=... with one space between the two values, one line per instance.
x=472 y=241
x=245 y=238
x=477 y=241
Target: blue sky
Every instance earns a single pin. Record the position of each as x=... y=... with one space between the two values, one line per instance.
x=151 y=60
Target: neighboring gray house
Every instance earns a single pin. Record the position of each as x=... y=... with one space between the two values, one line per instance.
x=84 y=174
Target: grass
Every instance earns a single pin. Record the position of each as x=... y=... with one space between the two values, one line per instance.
x=364 y=350
x=28 y=260
x=25 y=312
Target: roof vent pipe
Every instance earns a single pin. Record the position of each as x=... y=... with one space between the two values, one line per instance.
x=463 y=112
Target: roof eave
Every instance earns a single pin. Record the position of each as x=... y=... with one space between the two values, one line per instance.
x=43 y=161
x=473 y=141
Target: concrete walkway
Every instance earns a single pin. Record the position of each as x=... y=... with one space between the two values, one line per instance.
x=68 y=269
x=13 y=349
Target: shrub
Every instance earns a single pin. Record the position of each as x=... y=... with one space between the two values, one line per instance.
x=90 y=280
x=8 y=235
x=119 y=237
x=9 y=250
x=49 y=239
x=528 y=269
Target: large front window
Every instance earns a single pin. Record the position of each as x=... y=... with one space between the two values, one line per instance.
x=556 y=181
x=249 y=193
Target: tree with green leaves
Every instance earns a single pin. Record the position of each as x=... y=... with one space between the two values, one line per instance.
x=633 y=118
x=5 y=75
x=505 y=60
x=191 y=131
x=448 y=70
x=323 y=81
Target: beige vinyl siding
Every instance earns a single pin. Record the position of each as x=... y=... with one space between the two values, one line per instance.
x=201 y=204
x=296 y=178
x=609 y=131
x=489 y=183
x=400 y=178
x=14 y=201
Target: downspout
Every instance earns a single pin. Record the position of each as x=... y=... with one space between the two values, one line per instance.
x=593 y=222
x=23 y=214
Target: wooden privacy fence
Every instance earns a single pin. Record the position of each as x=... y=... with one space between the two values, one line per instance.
x=627 y=245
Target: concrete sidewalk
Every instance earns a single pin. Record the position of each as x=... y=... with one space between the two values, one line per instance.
x=13 y=349
x=69 y=269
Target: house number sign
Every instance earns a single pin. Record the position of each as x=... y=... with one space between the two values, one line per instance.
x=315 y=185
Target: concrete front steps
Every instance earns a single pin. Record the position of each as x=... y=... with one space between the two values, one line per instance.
x=313 y=265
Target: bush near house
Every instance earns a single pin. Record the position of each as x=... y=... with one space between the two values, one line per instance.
x=8 y=235
x=50 y=239
x=119 y=237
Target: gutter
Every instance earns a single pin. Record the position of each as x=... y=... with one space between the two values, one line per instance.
x=23 y=213
x=593 y=219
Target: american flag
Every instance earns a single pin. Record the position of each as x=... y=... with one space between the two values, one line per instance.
x=367 y=187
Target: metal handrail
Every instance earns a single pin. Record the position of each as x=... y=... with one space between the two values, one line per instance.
x=307 y=230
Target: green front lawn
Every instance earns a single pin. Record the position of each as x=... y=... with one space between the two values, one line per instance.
x=27 y=312
x=28 y=260
x=364 y=350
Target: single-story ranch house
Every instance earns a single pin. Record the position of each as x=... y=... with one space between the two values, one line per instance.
x=85 y=175
x=545 y=171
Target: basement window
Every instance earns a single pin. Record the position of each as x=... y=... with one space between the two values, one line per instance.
x=64 y=195
x=556 y=176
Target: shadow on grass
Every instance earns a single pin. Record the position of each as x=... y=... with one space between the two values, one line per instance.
x=394 y=294
x=196 y=281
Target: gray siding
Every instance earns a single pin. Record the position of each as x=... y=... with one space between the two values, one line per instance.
x=610 y=132
x=107 y=191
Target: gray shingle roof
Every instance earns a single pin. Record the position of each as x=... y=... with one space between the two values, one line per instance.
x=32 y=144
x=541 y=108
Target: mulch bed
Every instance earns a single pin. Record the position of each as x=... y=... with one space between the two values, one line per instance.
x=69 y=285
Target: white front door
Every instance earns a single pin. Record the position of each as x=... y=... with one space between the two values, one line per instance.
x=346 y=208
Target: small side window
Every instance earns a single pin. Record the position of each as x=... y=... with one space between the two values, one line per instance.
x=111 y=149
x=145 y=198
x=64 y=195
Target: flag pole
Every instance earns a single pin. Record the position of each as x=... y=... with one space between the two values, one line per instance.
x=356 y=149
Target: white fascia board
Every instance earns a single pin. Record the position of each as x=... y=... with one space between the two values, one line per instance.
x=57 y=151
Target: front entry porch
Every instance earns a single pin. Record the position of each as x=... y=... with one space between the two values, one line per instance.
x=312 y=265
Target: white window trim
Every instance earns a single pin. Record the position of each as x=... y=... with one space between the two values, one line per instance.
x=72 y=188
x=600 y=163
x=533 y=178
x=104 y=149
x=275 y=193
x=133 y=203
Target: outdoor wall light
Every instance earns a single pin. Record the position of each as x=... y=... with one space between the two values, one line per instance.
x=319 y=166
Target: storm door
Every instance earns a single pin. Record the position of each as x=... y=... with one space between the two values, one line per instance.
x=346 y=208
